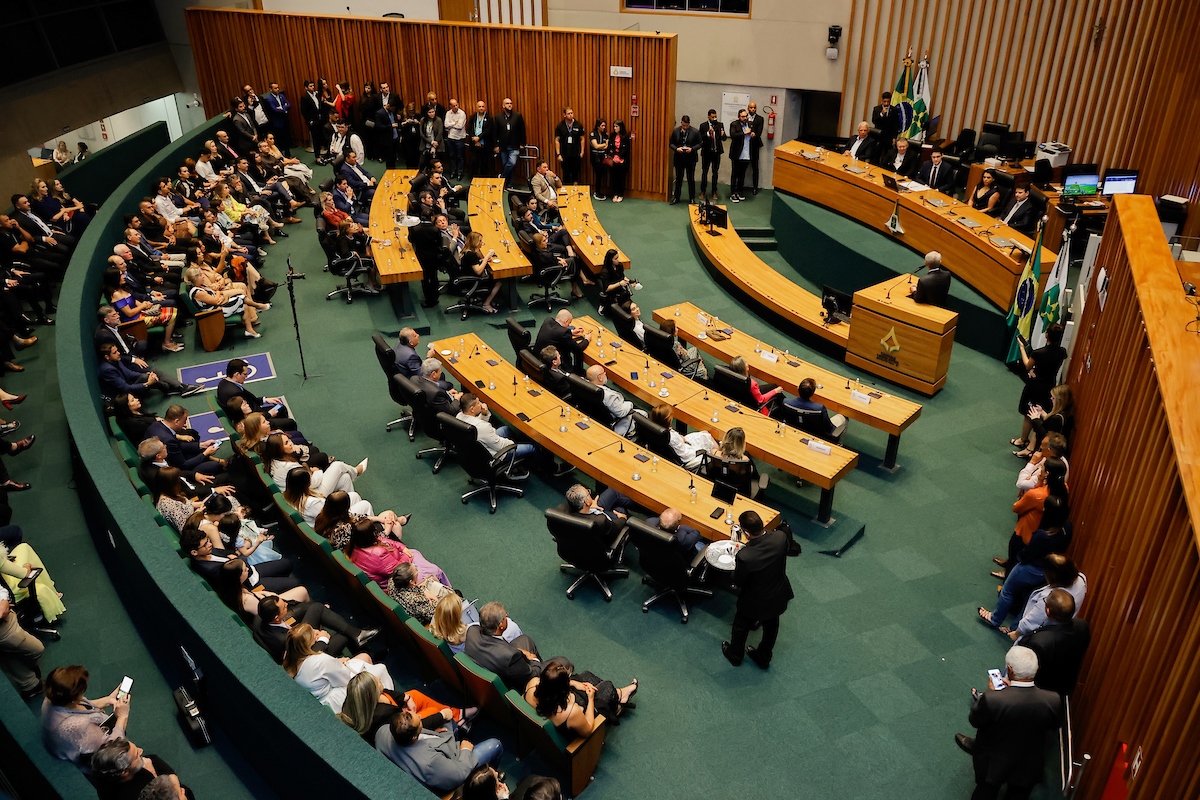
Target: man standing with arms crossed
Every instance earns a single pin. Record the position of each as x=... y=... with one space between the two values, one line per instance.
x=568 y=144
x=756 y=143
x=760 y=570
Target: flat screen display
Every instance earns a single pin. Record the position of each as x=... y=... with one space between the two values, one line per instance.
x=1081 y=185
x=1119 y=184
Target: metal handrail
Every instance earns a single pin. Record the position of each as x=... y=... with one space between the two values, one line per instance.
x=1070 y=770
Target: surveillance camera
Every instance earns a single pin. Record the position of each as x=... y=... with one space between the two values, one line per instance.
x=835 y=33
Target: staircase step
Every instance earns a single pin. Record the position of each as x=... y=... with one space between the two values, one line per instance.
x=755 y=232
x=760 y=243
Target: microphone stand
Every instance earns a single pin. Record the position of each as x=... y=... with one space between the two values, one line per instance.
x=888 y=297
x=620 y=440
x=291 y=277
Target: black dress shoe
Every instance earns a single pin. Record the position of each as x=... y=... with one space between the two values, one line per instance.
x=752 y=652
x=15 y=486
x=674 y=201
x=965 y=743
x=755 y=192
x=725 y=651
x=43 y=320
x=281 y=232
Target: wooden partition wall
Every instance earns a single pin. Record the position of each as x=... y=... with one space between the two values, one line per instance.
x=541 y=69
x=1107 y=77
x=1135 y=500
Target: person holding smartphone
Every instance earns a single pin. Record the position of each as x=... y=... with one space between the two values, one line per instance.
x=760 y=570
x=74 y=727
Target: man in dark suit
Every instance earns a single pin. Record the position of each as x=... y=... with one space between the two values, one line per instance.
x=687 y=538
x=480 y=141
x=861 y=146
x=610 y=505
x=183 y=451
x=1010 y=744
x=825 y=426
x=756 y=141
x=334 y=634
x=245 y=130
x=936 y=174
x=236 y=372
x=933 y=288
x=712 y=145
x=430 y=382
x=387 y=133
x=516 y=662
x=310 y=110
x=569 y=340
x=685 y=143
x=510 y=138
x=116 y=377
x=761 y=570
x=225 y=150
x=49 y=242
x=1060 y=645
x=886 y=118
x=277 y=107
x=206 y=561
x=361 y=181
x=1020 y=213
x=901 y=159
x=107 y=332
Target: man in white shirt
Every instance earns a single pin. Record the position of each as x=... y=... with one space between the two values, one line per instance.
x=621 y=409
x=475 y=412
x=164 y=204
x=861 y=146
x=1054 y=445
x=343 y=138
x=456 y=138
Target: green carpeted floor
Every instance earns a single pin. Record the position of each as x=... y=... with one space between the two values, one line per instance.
x=876 y=655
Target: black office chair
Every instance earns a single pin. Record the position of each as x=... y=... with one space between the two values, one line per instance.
x=386 y=357
x=584 y=551
x=812 y=421
x=472 y=288
x=550 y=273
x=325 y=186
x=962 y=171
x=655 y=438
x=337 y=164
x=589 y=398
x=963 y=147
x=736 y=387
x=660 y=345
x=347 y=264
x=1043 y=174
x=30 y=616
x=1006 y=182
x=519 y=336
x=406 y=389
x=432 y=427
x=1039 y=200
x=984 y=151
x=667 y=567
x=741 y=475
x=623 y=322
x=479 y=463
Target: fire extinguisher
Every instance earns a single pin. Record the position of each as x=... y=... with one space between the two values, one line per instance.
x=770 y=122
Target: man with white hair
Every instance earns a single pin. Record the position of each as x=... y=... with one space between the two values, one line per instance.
x=688 y=538
x=568 y=338
x=1010 y=742
x=933 y=288
x=429 y=382
x=622 y=410
x=861 y=146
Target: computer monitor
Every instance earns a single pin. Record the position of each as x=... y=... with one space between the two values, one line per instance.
x=996 y=128
x=836 y=304
x=1081 y=185
x=1081 y=169
x=1120 y=181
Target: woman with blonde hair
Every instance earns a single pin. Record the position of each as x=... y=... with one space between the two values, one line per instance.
x=369 y=706
x=324 y=675
x=732 y=445
x=476 y=260
x=452 y=617
x=239 y=214
x=62 y=156
x=766 y=400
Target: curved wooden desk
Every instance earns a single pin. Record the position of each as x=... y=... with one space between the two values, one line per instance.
x=588 y=237
x=888 y=413
x=971 y=253
x=594 y=450
x=766 y=439
x=732 y=258
x=396 y=262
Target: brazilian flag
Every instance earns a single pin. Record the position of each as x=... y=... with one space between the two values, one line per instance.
x=902 y=96
x=1021 y=314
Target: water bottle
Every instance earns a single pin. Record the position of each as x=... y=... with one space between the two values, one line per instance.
x=654 y=464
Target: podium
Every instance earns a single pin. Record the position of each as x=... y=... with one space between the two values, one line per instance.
x=895 y=338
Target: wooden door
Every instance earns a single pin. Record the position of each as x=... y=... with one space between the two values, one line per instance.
x=457 y=11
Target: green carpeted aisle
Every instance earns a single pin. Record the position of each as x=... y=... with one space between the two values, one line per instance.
x=877 y=653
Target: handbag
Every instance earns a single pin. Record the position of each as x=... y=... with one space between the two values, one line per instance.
x=608 y=161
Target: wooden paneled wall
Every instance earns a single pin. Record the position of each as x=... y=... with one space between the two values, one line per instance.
x=541 y=69
x=1134 y=500
x=1118 y=97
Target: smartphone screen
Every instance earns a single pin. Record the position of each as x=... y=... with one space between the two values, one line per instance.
x=126 y=685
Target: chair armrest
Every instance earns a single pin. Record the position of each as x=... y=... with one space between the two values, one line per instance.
x=502 y=455
x=697 y=561
x=618 y=540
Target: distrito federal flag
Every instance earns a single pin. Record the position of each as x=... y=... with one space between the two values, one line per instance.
x=1050 y=310
x=1021 y=314
x=920 y=103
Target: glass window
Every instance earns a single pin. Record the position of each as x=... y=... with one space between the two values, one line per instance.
x=689 y=6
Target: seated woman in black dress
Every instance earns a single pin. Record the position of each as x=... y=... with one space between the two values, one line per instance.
x=476 y=260
x=572 y=700
x=986 y=195
x=127 y=409
x=615 y=287
x=1040 y=373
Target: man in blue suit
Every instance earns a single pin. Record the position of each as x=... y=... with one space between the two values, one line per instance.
x=387 y=129
x=823 y=425
x=360 y=180
x=116 y=377
x=344 y=196
x=183 y=451
x=688 y=538
x=277 y=107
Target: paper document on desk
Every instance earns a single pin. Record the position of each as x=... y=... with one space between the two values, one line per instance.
x=913 y=186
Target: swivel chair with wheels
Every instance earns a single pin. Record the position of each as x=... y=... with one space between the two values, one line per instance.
x=586 y=552
x=519 y=336
x=655 y=438
x=742 y=475
x=550 y=274
x=387 y=362
x=668 y=569
x=482 y=467
x=432 y=426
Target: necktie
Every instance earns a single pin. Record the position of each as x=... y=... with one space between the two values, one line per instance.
x=933 y=176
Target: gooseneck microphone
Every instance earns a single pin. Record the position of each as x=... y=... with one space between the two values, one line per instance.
x=620 y=441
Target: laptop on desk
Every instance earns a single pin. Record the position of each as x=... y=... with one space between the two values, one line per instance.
x=890 y=182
